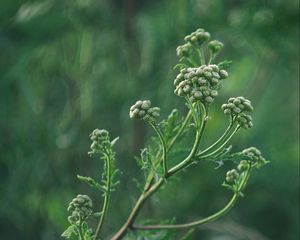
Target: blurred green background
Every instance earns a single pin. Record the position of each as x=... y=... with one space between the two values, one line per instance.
x=69 y=66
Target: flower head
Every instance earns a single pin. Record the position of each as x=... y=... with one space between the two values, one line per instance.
x=232 y=175
x=142 y=110
x=80 y=208
x=215 y=46
x=239 y=107
x=200 y=84
x=255 y=156
x=198 y=37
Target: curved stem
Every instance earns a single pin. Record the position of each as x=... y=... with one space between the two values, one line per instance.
x=128 y=224
x=210 y=218
x=198 y=137
x=223 y=144
x=218 y=141
x=106 y=198
x=193 y=111
x=163 y=143
x=183 y=126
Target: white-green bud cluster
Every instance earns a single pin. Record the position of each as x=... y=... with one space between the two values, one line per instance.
x=243 y=165
x=198 y=37
x=200 y=84
x=80 y=208
x=245 y=120
x=239 y=107
x=255 y=155
x=142 y=110
x=215 y=46
x=184 y=50
x=100 y=140
x=232 y=175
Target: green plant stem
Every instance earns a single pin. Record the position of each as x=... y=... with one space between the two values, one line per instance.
x=218 y=141
x=185 y=122
x=221 y=147
x=80 y=231
x=212 y=217
x=198 y=137
x=164 y=148
x=106 y=198
x=183 y=126
x=193 y=111
x=144 y=196
x=202 y=56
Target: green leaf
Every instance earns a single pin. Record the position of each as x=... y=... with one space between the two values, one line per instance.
x=90 y=181
x=225 y=64
x=188 y=235
x=113 y=142
x=97 y=214
x=69 y=232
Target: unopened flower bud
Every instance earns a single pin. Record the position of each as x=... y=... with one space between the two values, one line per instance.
x=243 y=165
x=254 y=155
x=184 y=50
x=232 y=175
x=143 y=110
x=80 y=208
x=215 y=46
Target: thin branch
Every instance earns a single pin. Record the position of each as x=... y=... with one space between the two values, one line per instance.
x=188 y=159
x=180 y=131
x=106 y=198
x=221 y=147
x=218 y=141
x=163 y=143
x=212 y=217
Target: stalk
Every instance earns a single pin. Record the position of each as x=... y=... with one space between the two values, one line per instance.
x=210 y=218
x=106 y=198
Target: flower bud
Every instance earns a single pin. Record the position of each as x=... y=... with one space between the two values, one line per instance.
x=199 y=84
x=80 y=208
x=245 y=120
x=143 y=110
x=232 y=175
x=254 y=155
x=243 y=165
x=237 y=107
x=184 y=50
x=215 y=46
x=198 y=37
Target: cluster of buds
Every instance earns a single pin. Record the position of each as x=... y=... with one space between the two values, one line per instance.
x=232 y=176
x=143 y=110
x=100 y=141
x=243 y=165
x=80 y=208
x=199 y=84
x=198 y=37
x=184 y=50
x=215 y=46
x=238 y=107
x=255 y=156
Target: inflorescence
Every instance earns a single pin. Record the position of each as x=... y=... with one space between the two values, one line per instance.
x=142 y=110
x=80 y=208
x=239 y=108
x=100 y=141
x=200 y=84
x=255 y=156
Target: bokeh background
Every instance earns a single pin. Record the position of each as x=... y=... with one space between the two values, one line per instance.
x=69 y=66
